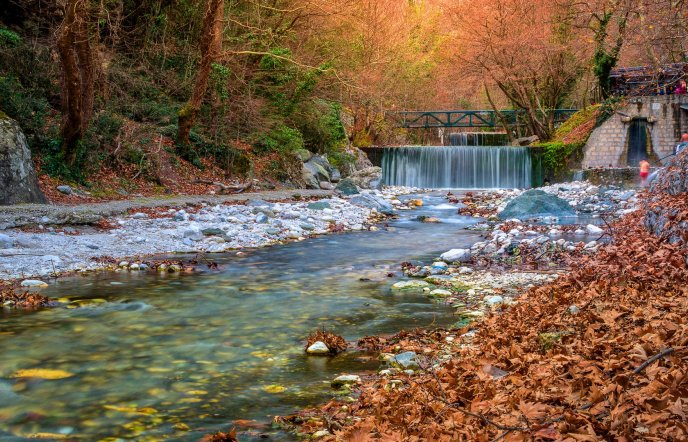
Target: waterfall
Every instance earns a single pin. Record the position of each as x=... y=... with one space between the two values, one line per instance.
x=457 y=167
x=478 y=139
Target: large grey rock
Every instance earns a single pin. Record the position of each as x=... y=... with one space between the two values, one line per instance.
x=535 y=203
x=369 y=178
x=303 y=154
x=457 y=255
x=373 y=202
x=347 y=187
x=18 y=182
x=317 y=171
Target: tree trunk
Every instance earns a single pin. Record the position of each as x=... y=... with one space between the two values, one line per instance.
x=78 y=77
x=211 y=44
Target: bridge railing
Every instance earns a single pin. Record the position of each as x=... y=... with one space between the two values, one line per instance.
x=467 y=118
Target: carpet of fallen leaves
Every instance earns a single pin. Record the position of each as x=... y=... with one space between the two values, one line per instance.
x=600 y=354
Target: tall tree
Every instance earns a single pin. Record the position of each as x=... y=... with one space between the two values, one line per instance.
x=210 y=49
x=79 y=72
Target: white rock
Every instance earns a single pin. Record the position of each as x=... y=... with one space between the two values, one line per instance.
x=594 y=230
x=33 y=283
x=318 y=348
x=456 y=255
x=346 y=379
x=494 y=300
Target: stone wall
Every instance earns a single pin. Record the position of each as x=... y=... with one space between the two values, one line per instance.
x=608 y=144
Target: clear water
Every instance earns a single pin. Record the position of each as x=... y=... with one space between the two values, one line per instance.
x=458 y=167
x=200 y=349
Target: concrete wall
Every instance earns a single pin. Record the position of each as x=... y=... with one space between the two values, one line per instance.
x=608 y=144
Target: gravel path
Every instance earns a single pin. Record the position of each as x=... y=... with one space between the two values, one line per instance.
x=47 y=214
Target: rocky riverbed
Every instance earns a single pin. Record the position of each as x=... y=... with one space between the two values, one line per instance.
x=41 y=251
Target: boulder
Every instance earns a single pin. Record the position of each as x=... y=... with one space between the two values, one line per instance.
x=457 y=255
x=361 y=160
x=18 y=182
x=369 y=178
x=347 y=187
x=317 y=171
x=303 y=154
x=309 y=177
x=534 y=203
x=326 y=185
x=373 y=202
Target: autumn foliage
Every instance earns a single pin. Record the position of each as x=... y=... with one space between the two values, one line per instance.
x=601 y=354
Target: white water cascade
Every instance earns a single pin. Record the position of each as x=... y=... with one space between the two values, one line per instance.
x=457 y=167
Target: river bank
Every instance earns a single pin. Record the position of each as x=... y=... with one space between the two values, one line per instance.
x=52 y=241
x=597 y=354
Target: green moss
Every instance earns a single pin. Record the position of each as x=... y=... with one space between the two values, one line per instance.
x=577 y=120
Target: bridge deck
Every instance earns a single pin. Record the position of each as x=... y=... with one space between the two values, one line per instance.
x=467 y=118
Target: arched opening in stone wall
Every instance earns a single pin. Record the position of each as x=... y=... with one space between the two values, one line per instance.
x=639 y=143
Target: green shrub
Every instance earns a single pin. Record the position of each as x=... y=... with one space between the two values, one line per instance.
x=556 y=155
x=9 y=38
x=281 y=139
x=30 y=110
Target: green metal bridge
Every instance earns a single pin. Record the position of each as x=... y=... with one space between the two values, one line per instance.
x=467 y=118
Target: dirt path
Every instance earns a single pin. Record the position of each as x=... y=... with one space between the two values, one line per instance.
x=48 y=214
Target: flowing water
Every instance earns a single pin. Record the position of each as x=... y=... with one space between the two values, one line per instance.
x=457 y=167
x=148 y=353
x=478 y=139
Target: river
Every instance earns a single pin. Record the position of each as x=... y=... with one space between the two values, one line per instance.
x=151 y=355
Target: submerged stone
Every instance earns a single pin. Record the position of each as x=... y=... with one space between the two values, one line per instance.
x=410 y=286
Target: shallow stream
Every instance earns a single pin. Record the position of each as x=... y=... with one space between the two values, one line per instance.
x=150 y=355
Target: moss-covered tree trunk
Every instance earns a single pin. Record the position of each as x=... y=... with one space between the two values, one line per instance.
x=210 y=48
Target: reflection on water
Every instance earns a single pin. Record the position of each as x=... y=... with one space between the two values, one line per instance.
x=151 y=355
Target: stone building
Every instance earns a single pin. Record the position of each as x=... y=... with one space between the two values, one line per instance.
x=646 y=127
